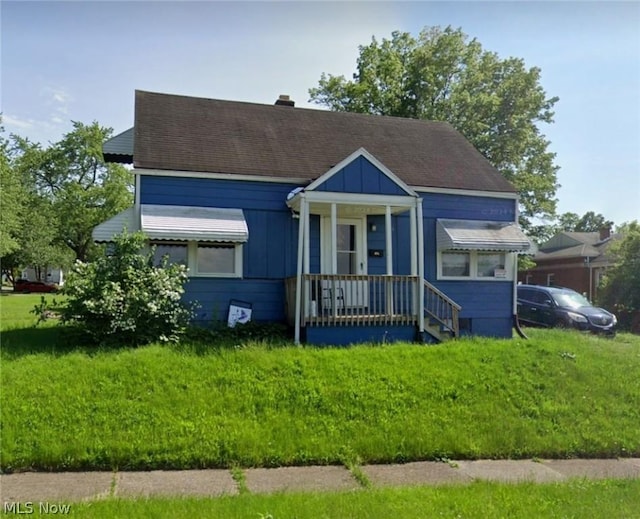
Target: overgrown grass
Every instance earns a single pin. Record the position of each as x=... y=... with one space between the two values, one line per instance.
x=560 y=394
x=577 y=498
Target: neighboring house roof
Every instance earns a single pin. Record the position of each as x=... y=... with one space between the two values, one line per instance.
x=480 y=235
x=575 y=251
x=567 y=245
x=208 y=135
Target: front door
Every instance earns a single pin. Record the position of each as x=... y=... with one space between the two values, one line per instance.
x=350 y=259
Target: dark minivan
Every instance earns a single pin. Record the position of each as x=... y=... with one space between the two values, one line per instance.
x=562 y=307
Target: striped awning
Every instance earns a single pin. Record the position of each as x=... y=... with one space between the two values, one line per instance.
x=172 y=222
x=481 y=235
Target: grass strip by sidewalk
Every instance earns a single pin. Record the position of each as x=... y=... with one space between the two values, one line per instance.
x=576 y=498
x=561 y=394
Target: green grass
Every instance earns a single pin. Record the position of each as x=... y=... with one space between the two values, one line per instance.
x=66 y=406
x=575 y=499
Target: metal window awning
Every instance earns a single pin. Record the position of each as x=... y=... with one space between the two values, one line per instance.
x=125 y=220
x=481 y=235
x=176 y=222
x=172 y=222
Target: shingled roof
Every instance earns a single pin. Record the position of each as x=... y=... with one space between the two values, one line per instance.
x=209 y=135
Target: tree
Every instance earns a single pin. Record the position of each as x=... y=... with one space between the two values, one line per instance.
x=72 y=175
x=11 y=201
x=497 y=104
x=588 y=222
x=620 y=288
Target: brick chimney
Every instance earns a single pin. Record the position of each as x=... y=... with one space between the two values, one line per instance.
x=284 y=100
x=605 y=232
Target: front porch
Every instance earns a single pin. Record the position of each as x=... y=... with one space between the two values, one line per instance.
x=349 y=272
x=390 y=301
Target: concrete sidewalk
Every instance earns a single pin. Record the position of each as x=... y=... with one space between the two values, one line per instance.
x=79 y=486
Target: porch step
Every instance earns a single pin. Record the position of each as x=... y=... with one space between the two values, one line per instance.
x=438 y=332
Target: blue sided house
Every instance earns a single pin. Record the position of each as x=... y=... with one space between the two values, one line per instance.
x=349 y=227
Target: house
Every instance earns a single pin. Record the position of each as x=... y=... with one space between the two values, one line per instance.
x=350 y=227
x=574 y=260
x=49 y=275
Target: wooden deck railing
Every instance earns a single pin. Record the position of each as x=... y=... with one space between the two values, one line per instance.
x=354 y=300
x=359 y=300
x=441 y=308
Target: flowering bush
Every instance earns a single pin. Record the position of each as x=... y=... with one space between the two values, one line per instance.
x=123 y=298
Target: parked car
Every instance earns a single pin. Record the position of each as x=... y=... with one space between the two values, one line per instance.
x=562 y=307
x=25 y=286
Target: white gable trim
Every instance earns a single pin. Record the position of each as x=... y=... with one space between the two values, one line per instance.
x=356 y=154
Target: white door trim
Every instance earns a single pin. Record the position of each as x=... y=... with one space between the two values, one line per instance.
x=326 y=254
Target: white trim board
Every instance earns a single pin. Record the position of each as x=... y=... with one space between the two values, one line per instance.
x=219 y=176
x=304 y=181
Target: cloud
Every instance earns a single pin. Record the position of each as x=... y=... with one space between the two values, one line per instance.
x=22 y=124
x=56 y=98
x=42 y=131
x=50 y=117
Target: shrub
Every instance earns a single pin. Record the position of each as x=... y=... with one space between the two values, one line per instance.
x=123 y=298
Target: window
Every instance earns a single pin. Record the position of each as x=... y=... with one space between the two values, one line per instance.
x=456 y=264
x=347 y=250
x=201 y=258
x=491 y=265
x=175 y=252
x=216 y=259
x=475 y=265
x=551 y=280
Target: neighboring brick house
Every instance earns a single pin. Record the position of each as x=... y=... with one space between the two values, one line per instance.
x=574 y=260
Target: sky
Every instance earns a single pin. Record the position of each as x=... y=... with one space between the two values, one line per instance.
x=83 y=60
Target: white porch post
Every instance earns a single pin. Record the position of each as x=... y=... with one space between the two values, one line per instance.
x=301 y=233
x=387 y=235
x=334 y=239
x=414 y=257
x=389 y=253
x=334 y=258
x=420 y=265
x=306 y=259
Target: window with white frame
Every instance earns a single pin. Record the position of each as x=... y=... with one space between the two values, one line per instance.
x=474 y=265
x=202 y=259
x=218 y=259
x=455 y=264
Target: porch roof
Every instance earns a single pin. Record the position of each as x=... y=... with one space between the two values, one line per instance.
x=481 y=235
x=350 y=204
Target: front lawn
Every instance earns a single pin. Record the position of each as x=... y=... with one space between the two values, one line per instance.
x=70 y=407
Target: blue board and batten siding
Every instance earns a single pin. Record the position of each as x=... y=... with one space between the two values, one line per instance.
x=361 y=176
x=487 y=306
x=270 y=255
